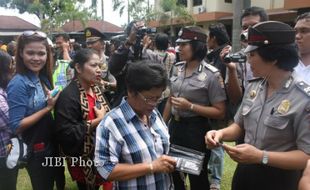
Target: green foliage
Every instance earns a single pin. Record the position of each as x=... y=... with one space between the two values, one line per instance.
x=137 y=9
x=169 y=11
x=52 y=13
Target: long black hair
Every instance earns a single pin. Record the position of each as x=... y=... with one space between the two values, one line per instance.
x=5 y=69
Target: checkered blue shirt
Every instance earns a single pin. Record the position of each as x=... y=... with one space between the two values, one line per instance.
x=122 y=138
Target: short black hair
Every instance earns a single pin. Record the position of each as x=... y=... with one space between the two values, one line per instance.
x=285 y=55
x=65 y=36
x=255 y=11
x=219 y=31
x=161 y=41
x=145 y=75
x=303 y=16
x=5 y=71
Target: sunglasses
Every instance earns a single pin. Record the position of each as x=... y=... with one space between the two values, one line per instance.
x=31 y=33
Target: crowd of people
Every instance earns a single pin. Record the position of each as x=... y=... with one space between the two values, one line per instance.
x=119 y=109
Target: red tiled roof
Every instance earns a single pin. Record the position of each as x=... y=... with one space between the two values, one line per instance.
x=102 y=26
x=9 y=23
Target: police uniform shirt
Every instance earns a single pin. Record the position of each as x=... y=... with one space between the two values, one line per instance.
x=303 y=71
x=279 y=123
x=204 y=87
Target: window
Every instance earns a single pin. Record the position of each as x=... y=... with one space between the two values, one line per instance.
x=228 y=1
x=182 y=2
x=197 y=2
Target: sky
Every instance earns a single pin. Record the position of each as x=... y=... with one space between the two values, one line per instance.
x=109 y=15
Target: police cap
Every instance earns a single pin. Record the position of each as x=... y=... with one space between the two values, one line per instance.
x=92 y=35
x=191 y=33
x=269 y=33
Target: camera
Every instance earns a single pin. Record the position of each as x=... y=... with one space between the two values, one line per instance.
x=235 y=57
x=145 y=30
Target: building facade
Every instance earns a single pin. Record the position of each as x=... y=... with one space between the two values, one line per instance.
x=206 y=12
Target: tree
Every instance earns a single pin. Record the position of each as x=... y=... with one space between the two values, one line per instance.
x=171 y=10
x=52 y=13
x=137 y=9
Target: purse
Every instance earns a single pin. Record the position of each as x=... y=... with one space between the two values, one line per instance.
x=17 y=156
x=188 y=160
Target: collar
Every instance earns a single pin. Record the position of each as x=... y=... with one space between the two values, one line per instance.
x=130 y=114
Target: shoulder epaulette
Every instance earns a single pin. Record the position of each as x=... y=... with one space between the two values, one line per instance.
x=304 y=87
x=211 y=68
x=255 y=79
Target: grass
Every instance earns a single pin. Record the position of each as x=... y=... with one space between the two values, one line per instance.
x=23 y=181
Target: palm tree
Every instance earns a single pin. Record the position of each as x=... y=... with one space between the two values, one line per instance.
x=169 y=11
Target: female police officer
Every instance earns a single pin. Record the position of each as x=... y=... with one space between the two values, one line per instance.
x=197 y=93
x=274 y=115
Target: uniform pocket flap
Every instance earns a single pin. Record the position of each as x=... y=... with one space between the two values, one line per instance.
x=276 y=122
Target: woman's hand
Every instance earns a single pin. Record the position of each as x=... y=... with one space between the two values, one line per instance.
x=164 y=164
x=100 y=113
x=244 y=153
x=180 y=103
x=51 y=101
x=146 y=41
x=213 y=138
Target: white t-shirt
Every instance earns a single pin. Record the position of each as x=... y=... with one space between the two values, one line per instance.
x=303 y=72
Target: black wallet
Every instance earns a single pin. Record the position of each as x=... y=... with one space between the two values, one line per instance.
x=188 y=160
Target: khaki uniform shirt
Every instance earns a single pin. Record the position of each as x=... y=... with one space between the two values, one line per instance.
x=280 y=122
x=204 y=87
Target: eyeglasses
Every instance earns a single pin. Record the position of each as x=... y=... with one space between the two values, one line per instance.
x=31 y=33
x=151 y=101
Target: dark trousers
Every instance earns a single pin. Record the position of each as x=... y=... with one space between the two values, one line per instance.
x=8 y=177
x=190 y=132
x=41 y=177
x=258 y=177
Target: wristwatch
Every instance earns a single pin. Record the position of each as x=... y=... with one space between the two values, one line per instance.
x=265 y=158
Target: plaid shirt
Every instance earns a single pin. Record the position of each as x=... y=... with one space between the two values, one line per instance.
x=5 y=132
x=122 y=138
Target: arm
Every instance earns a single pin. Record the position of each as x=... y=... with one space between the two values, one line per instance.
x=248 y=154
x=216 y=111
x=233 y=88
x=167 y=110
x=163 y=164
x=18 y=101
x=230 y=133
x=304 y=183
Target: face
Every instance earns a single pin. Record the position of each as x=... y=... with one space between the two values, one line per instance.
x=186 y=52
x=211 y=42
x=34 y=56
x=246 y=22
x=302 y=28
x=144 y=102
x=59 y=41
x=97 y=45
x=259 y=67
x=90 y=72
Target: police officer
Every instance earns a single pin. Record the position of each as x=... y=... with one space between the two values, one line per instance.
x=197 y=94
x=95 y=40
x=274 y=114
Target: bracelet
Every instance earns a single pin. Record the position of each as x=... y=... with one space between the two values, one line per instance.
x=192 y=107
x=151 y=168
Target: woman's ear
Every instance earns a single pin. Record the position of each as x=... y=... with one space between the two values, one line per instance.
x=78 y=68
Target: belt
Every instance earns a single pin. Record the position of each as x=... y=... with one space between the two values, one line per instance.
x=189 y=119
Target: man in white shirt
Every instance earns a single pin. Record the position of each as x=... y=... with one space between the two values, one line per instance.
x=302 y=28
